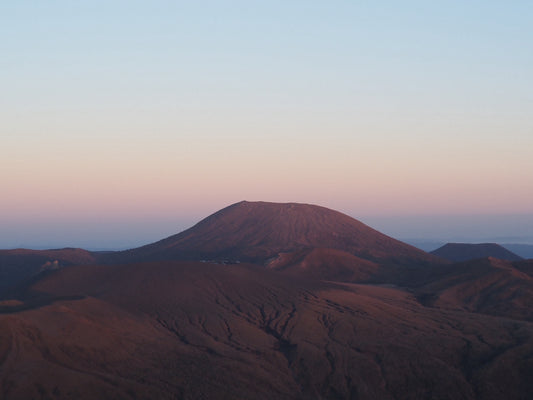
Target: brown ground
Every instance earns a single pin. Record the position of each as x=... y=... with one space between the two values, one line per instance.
x=199 y=330
x=331 y=309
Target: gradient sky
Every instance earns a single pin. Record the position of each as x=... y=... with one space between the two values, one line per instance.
x=125 y=121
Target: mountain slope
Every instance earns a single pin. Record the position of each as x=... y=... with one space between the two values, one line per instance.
x=20 y=264
x=259 y=231
x=468 y=251
x=326 y=264
x=191 y=330
x=489 y=286
x=522 y=250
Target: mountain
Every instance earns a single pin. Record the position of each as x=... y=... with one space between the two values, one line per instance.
x=20 y=264
x=488 y=285
x=291 y=238
x=259 y=232
x=190 y=330
x=258 y=301
x=326 y=264
x=468 y=251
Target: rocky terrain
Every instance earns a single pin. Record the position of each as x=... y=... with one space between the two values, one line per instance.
x=284 y=301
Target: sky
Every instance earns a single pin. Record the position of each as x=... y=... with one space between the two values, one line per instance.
x=122 y=122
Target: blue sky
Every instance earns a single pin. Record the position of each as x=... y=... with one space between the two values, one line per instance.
x=154 y=114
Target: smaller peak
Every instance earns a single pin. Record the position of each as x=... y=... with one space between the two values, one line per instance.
x=469 y=251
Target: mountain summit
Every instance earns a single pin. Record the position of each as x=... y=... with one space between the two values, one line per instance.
x=259 y=231
x=469 y=251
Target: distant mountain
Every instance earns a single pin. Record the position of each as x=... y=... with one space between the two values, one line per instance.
x=293 y=238
x=467 y=251
x=19 y=264
x=258 y=301
x=259 y=232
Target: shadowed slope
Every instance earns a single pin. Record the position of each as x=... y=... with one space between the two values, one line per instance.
x=326 y=264
x=19 y=264
x=197 y=330
x=522 y=250
x=489 y=286
x=467 y=251
x=258 y=231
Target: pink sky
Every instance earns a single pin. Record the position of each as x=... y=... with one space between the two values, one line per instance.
x=176 y=111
